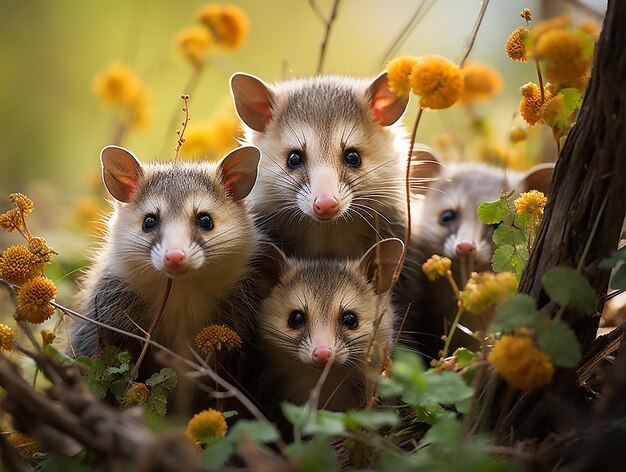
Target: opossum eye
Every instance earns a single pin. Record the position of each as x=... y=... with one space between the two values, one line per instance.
x=204 y=221
x=150 y=222
x=349 y=320
x=295 y=160
x=296 y=320
x=352 y=158
x=447 y=217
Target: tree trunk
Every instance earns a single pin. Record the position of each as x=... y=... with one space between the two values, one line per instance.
x=590 y=169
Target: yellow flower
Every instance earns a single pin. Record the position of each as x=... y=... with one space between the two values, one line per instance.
x=215 y=337
x=18 y=264
x=11 y=220
x=141 y=114
x=590 y=28
x=207 y=424
x=518 y=361
x=517 y=135
x=437 y=80
x=137 y=394
x=436 y=267
x=22 y=202
x=33 y=300
x=47 y=337
x=563 y=51
x=531 y=203
x=494 y=153
x=531 y=105
x=7 y=338
x=227 y=23
x=39 y=248
x=515 y=46
x=487 y=290
x=194 y=41
x=117 y=84
x=541 y=28
x=482 y=82
x=398 y=72
x=26 y=445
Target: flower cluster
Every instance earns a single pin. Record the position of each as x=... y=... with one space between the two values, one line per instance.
x=221 y=25
x=436 y=267
x=517 y=360
x=482 y=82
x=531 y=203
x=486 y=290
x=215 y=338
x=7 y=338
x=206 y=424
x=18 y=265
x=119 y=86
x=438 y=81
x=33 y=300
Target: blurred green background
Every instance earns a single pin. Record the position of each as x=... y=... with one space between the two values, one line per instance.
x=53 y=126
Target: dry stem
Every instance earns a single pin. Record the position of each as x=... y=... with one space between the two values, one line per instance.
x=329 y=24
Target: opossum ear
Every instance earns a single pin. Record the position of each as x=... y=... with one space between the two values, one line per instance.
x=386 y=106
x=269 y=267
x=239 y=170
x=425 y=166
x=120 y=172
x=538 y=177
x=379 y=264
x=253 y=100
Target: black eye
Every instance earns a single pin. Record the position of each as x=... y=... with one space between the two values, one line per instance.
x=204 y=221
x=447 y=217
x=296 y=320
x=349 y=320
x=150 y=223
x=295 y=159
x=352 y=158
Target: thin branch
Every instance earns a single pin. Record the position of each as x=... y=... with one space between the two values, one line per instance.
x=470 y=43
x=329 y=25
x=318 y=12
x=181 y=132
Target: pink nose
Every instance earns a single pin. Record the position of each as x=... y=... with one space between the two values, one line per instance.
x=321 y=356
x=174 y=259
x=465 y=249
x=325 y=206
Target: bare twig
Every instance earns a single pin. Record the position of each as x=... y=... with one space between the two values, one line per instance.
x=181 y=132
x=472 y=39
x=329 y=24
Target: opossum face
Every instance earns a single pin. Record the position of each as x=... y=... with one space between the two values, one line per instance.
x=323 y=311
x=180 y=219
x=329 y=150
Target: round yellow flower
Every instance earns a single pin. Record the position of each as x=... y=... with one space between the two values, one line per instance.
x=11 y=220
x=563 y=51
x=541 y=28
x=436 y=267
x=531 y=105
x=437 y=80
x=398 y=72
x=517 y=135
x=33 y=300
x=207 y=424
x=39 y=248
x=7 y=338
x=531 y=203
x=515 y=46
x=227 y=23
x=118 y=84
x=215 y=338
x=482 y=82
x=517 y=360
x=26 y=445
x=47 y=337
x=137 y=394
x=486 y=290
x=590 y=28
x=18 y=265
x=213 y=138
x=194 y=42
x=22 y=202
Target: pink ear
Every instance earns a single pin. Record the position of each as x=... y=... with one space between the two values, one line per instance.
x=386 y=106
x=425 y=166
x=253 y=100
x=239 y=171
x=120 y=171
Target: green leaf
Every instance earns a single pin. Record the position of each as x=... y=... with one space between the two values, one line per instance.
x=508 y=235
x=619 y=278
x=465 y=357
x=517 y=312
x=297 y=415
x=314 y=456
x=325 y=423
x=118 y=389
x=167 y=377
x=522 y=221
x=560 y=343
x=370 y=419
x=501 y=260
x=217 y=451
x=572 y=98
x=63 y=358
x=566 y=286
x=258 y=431
x=229 y=414
x=162 y=383
x=616 y=257
x=493 y=212
x=448 y=431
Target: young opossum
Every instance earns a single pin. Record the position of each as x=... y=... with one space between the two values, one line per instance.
x=324 y=311
x=445 y=222
x=332 y=161
x=185 y=221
